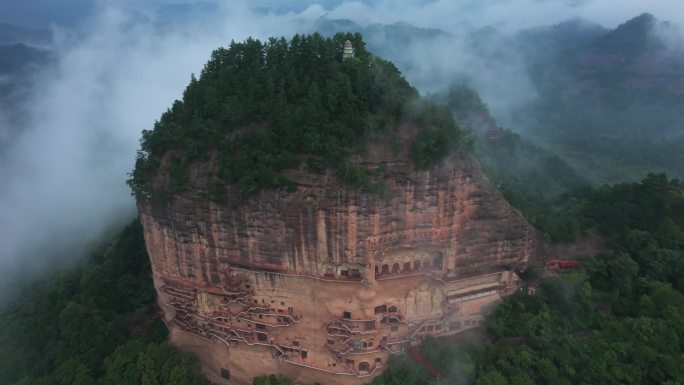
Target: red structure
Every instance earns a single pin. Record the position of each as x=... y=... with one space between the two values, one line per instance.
x=560 y=266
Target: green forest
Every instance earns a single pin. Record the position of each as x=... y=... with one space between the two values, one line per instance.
x=96 y=323
x=265 y=107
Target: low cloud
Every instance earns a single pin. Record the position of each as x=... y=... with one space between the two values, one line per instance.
x=64 y=169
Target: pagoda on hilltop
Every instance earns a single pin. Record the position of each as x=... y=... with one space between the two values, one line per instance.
x=348 y=51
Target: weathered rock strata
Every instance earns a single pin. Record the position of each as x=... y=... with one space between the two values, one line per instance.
x=323 y=283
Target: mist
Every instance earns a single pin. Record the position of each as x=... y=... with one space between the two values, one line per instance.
x=64 y=167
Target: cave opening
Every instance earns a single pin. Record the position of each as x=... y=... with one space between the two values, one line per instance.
x=406 y=267
x=225 y=373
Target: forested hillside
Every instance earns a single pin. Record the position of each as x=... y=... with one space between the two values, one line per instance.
x=610 y=102
x=264 y=107
x=97 y=323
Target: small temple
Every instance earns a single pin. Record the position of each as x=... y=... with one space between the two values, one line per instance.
x=348 y=51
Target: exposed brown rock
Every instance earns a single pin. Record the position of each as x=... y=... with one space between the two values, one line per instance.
x=323 y=283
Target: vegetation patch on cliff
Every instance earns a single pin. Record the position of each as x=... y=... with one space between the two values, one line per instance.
x=265 y=107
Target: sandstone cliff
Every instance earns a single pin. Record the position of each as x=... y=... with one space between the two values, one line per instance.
x=325 y=227
x=295 y=271
x=330 y=270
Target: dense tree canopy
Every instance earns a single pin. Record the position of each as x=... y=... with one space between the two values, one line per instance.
x=264 y=107
x=95 y=324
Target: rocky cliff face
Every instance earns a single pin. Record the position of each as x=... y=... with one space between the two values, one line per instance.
x=325 y=228
x=323 y=283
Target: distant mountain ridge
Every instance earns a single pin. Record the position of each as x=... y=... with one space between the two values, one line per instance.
x=634 y=37
x=613 y=101
x=636 y=48
x=552 y=39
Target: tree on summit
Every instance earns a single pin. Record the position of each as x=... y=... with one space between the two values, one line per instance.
x=259 y=108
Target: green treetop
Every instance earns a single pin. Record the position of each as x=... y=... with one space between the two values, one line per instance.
x=264 y=107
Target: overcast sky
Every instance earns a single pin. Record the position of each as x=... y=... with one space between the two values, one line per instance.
x=63 y=178
x=439 y=13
